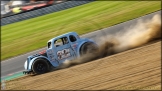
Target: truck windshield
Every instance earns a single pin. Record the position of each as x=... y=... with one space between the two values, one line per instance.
x=49 y=44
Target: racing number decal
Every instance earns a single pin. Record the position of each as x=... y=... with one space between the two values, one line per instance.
x=65 y=53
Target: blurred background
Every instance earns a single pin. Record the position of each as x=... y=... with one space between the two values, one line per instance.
x=10 y=7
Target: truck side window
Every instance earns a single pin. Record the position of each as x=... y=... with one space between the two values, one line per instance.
x=58 y=42
x=49 y=44
x=72 y=38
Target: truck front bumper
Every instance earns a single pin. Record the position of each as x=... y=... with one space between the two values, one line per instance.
x=28 y=72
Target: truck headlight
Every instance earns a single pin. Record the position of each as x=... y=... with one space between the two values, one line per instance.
x=25 y=65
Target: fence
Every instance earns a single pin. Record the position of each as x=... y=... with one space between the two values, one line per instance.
x=42 y=11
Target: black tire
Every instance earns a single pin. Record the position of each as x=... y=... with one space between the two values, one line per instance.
x=88 y=48
x=40 y=66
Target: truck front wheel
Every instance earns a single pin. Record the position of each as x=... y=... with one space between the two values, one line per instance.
x=40 y=66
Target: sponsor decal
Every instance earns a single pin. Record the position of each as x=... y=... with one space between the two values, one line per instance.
x=65 y=53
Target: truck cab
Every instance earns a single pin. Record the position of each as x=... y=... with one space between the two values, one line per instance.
x=62 y=48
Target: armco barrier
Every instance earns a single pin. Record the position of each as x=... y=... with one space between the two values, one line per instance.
x=42 y=11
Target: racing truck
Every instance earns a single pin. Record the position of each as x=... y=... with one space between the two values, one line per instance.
x=68 y=46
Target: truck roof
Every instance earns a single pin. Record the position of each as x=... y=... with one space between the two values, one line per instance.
x=63 y=35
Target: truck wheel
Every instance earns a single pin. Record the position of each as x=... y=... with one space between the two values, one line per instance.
x=40 y=66
x=88 y=48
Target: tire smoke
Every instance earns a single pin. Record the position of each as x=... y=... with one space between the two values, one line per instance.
x=141 y=33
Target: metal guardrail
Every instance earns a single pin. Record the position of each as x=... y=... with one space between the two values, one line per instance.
x=42 y=11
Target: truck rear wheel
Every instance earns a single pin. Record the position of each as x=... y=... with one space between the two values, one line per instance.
x=40 y=66
x=88 y=48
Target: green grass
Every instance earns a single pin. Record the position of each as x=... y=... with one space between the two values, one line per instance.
x=32 y=34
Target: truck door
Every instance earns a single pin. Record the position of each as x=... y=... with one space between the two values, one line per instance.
x=63 y=50
x=51 y=55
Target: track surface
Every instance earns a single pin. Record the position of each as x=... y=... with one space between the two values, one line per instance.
x=16 y=64
x=139 y=68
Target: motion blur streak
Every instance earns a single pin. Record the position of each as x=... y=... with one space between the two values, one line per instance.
x=133 y=36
